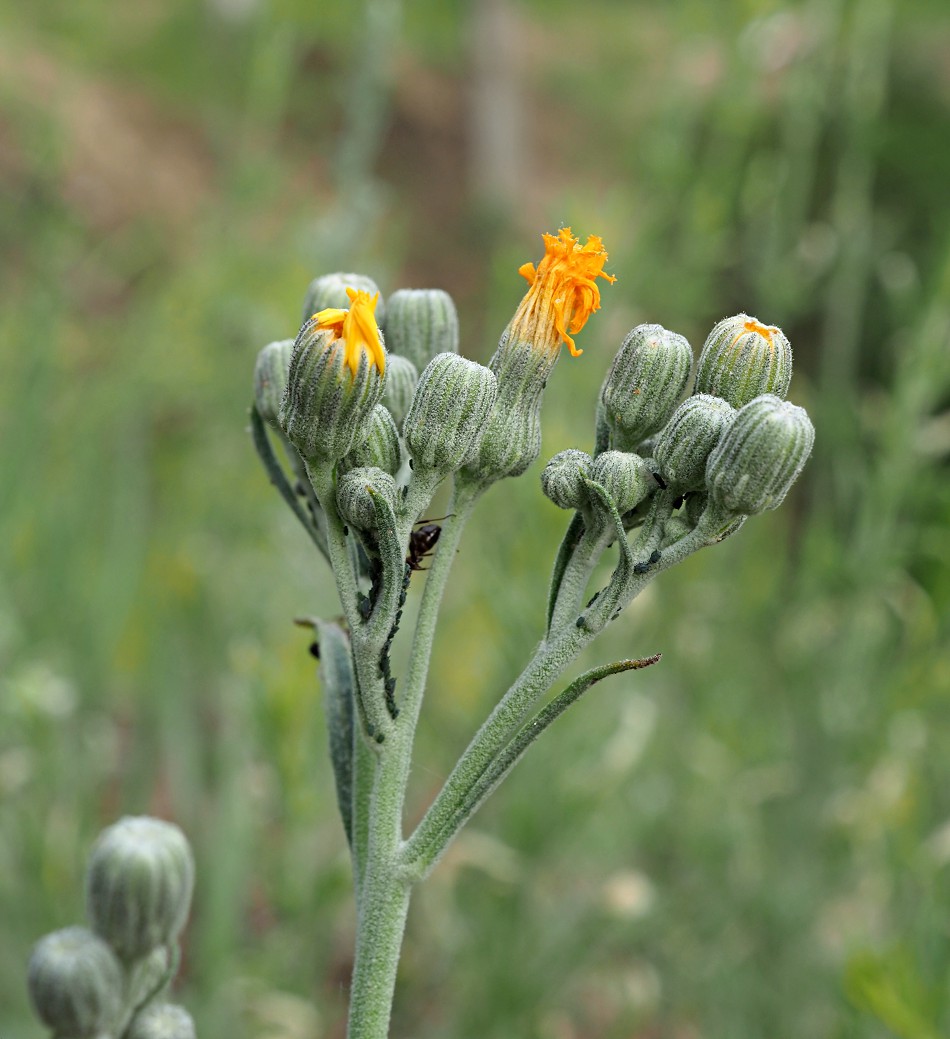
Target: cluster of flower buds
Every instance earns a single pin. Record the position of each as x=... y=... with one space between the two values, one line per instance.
x=732 y=449
x=107 y=981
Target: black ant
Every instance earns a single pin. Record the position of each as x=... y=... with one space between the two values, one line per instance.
x=422 y=542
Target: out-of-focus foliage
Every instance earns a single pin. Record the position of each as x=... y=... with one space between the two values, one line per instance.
x=752 y=838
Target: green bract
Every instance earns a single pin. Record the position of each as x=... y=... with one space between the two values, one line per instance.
x=683 y=445
x=401 y=380
x=354 y=495
x=421 y=323
x=162 y=1021
x=742 y=359
x=329 y=290
x=760 y=456
x=270 y=378
x=326 y=406
x=625 y=477
x=138 y=885
x=644 y=384
x=75 y=983
x=562 y=479
x=378 y=444
x=445 y=424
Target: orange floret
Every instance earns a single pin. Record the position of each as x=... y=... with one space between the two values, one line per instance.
x=564 y=292
x=357 y=328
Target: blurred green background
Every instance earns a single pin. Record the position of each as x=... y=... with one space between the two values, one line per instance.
x=751 y=839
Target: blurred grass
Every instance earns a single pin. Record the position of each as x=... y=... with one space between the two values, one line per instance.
x=751 y=838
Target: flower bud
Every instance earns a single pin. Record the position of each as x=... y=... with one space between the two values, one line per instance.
x=625 y=477
x=562 y=479
x=354 y=495
x=742 y=359
x=138 y=885
x=421 y=323
x=644 y=384
x=75 y=983
x=162 y=1021
x=445 y=424
x=335 y=380
x=401 y=380
x=685 y=442
x=760 y=456
x=270 y=378
x=378 y=444
x=329 y=290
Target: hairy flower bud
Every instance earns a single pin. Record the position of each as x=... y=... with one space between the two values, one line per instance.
x=562 y=479
x=378 y=444
x=760 y=456
x=421 y=323
x=684 y=444
x=644 y=384
x=270 y=378
x=445 y=424
x=335 y=380
x=354 y=495
x=162 y=1021
x=742 y=359
x=625 y=477
x=329 y=290
x=75 y=983
x=138 y=884
x=402 y=377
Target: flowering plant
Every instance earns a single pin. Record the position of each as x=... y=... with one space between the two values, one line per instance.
x=368 y=433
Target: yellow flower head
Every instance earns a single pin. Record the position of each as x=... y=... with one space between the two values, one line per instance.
x=564 y=292
x=357 y=328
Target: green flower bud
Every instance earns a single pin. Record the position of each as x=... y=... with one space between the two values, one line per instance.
x=684 y=444
x=421 y=323
x=378 y=444
x=354 y=500
x=162 y=1021
x=329 y=290
x=138 y=885
x=75 y=983
x=644 y=384
x=625 y=477
x=512 y=439
x=270 y=378
x=562 y=479
x=401 y=380
x=742 y=359
x=447 y=419
x=760 y=456
x=336 y=379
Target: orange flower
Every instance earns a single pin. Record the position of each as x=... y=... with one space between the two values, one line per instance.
x=563 y=294
x=357 y=328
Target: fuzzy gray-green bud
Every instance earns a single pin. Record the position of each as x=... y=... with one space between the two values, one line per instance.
x=449 y=411
x=329 y=397
x=625 y=477
x=270 y=378
x=354 y=495
x=378 y=444
x=645 y=383
x=562 y=479
x=760 y=456
x=402 y=377
x=421 y=323
x=138 y=885
x=684 y=444
x=743 y=359
x=162 y=1021
x=512 y=439
x=75 y=983
x=329 y=290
